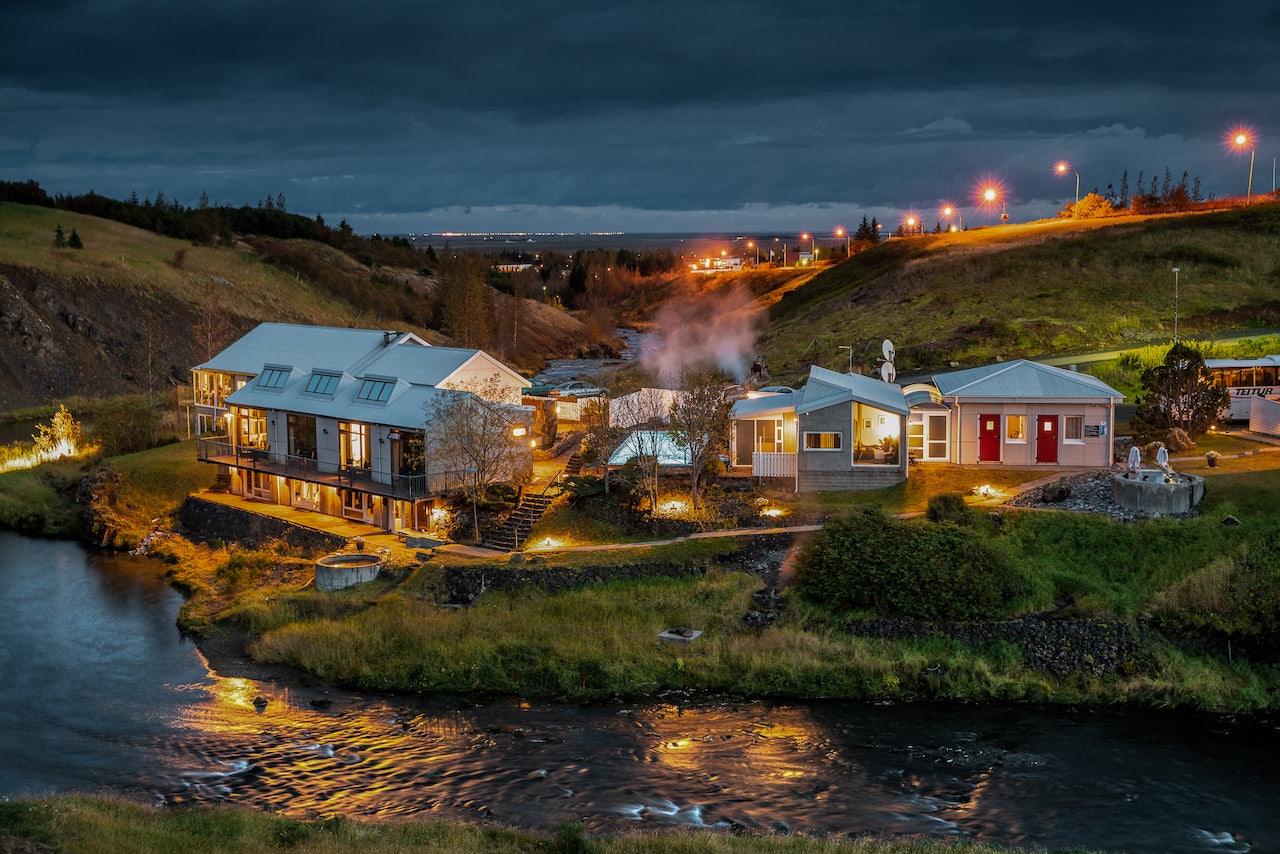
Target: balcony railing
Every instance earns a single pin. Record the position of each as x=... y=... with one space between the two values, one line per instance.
x=405 y=487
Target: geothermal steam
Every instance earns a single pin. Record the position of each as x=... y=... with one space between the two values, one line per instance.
x=708 y=329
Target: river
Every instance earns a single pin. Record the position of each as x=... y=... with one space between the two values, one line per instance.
x=98 y=692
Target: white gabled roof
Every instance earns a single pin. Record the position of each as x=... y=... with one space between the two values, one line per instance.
x=435 y=365
x=1023 y=380
x=303 y=347
x=828 y=388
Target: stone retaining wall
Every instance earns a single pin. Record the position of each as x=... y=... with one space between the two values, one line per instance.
x=1060 y=646
x=203 y=520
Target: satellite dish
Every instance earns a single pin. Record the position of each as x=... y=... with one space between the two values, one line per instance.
x=887 y=349
x=887 y=373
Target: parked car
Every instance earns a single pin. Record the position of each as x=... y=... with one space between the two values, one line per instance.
x=578 y=388
x=777 y=389
x=537 y=390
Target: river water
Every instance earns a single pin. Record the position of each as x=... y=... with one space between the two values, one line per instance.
x=98 y=692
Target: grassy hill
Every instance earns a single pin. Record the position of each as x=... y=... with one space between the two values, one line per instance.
x=133 y=310
x=1029 y=290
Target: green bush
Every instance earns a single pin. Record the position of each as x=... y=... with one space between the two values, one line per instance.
x=912 y=569
x=949 y=507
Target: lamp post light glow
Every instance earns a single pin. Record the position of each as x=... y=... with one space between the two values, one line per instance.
x=992 y=194
x=840 y=232
x=948 y=211
x=813 y=246
x=1063 y=168
x=911 y=225
x=1240 y=140
x=751 y=244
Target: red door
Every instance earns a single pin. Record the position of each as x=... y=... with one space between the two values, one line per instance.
x=1046 y=438
x=988 y=438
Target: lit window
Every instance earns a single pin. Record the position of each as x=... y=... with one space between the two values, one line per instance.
x=322 y=383
x=1073 y=428
x=273 y=378
x=1016 y=428
x=376 y=390
x=822 y=441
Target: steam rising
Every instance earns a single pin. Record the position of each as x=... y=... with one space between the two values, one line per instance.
x=707 y=329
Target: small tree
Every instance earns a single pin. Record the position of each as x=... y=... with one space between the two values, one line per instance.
x=699 y=422
x=1092 y=205
x=473 y=436
x=74 y=241
x=59 y=238
x=1179 y=393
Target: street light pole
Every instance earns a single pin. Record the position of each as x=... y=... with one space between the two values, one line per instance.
x=1175 y=305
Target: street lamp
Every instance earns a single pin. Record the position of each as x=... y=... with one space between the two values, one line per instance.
x=990 y=194
x=1241 y=139
x=813 y=246
x=911 y=225
x=948 y=211
x=1063 y=168
x=1175 y=305
x=840 y=232
x=752 y=244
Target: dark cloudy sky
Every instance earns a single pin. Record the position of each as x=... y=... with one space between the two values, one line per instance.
x=661 y=115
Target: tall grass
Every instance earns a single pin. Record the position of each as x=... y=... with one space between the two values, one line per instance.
x=86 y=825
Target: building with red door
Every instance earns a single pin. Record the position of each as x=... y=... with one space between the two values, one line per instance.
x=1025 y=414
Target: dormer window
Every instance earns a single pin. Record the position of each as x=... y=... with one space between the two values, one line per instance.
x=322 y=383
x=273 y=377
x=378 y=391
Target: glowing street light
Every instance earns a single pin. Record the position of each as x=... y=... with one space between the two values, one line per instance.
x=1241 y=138
x=948 y=211
x=989 y=195
x=911 y=224
x=813 y=246
x=840 y=232
x=751 y=244
x=1062 y=168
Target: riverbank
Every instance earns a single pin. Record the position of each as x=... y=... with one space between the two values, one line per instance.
x=594 y=640
x=76 y=824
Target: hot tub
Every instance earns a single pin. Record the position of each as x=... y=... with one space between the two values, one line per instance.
x=1150 y=492
x=336 y=571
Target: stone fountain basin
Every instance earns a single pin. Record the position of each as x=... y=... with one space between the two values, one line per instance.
x=1148 y=492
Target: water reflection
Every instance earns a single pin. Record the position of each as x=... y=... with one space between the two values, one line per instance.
x=97 y=691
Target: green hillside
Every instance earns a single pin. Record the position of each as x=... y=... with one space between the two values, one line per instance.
x=133 y=310
x=1030 y=290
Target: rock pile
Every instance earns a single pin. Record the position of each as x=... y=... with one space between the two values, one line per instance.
x=1090 y=492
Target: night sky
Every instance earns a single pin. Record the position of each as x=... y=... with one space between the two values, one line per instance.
x=662 y=115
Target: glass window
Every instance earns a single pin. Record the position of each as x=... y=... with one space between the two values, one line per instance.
x=376 y=390
x=822 y=441
x=322 y=383
x=1016 y=428
x=1073 y=428
x=273 y=378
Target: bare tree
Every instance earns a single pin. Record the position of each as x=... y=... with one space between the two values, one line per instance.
x=480 y=441
x=699 y=422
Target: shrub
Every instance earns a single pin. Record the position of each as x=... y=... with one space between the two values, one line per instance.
x=1057 y=492
x=912 y=569
x=949 y=507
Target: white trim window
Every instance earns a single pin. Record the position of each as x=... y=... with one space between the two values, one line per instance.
x=823 y=441
x=1073 y=429
x=1015 y=428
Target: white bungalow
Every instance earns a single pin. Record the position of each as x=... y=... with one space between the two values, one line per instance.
x=337 y=420
x=1025 y=413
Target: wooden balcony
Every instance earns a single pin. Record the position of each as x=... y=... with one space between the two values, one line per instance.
x=329 y=473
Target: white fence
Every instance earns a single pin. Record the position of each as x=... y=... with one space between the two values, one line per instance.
x=773 y=464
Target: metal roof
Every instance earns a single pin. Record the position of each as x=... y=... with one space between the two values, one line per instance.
x=1023 y=380
x=303 y=347
x=828 y=388
x=770 y=404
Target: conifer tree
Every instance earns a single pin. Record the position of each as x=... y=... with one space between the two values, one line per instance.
x=59 y=238
x=74 y=241
x=1124 y=189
